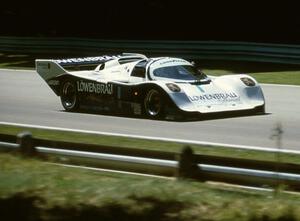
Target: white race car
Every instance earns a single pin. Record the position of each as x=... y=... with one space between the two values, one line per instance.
x=157 y=87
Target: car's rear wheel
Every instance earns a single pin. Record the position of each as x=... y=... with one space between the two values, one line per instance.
x=69 y=96
x=154 y=104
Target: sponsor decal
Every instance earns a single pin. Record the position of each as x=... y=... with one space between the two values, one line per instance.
x=172 y=61
x=231 y=96
x=92 y=87
x=86 y=60
x=53 y=82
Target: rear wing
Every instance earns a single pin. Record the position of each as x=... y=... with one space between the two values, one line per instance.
x=69 y=62
x=90 y=61
x=52 y=70
x=49 y=68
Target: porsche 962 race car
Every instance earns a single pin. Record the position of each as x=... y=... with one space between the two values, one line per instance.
x=155 y=87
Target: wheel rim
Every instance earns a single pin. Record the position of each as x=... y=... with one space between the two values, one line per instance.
x=69 y=95
x=153 y=103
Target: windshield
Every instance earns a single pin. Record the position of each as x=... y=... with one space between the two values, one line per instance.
x=179 y=72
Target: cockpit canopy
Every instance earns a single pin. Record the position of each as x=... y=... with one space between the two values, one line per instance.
x=179 y=72
x=175 y=69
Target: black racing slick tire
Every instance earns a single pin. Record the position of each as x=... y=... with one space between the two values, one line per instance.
x=69 y=96
x=154 y=104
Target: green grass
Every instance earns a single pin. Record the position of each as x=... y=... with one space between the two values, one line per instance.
x=262 y=72
x=288 y=77
x=280 y=77
x=148 y=144
x=30 y=188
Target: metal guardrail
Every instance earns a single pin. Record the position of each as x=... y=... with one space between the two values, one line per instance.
x=213 y=50
x=184 y=165
x=162 y=139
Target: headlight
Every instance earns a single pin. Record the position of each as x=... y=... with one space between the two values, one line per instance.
x=173 y=87
x=248 y=82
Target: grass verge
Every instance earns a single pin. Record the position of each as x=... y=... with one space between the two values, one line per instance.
x=33 y=190
x=279 y=77
x=262 y=72
x=148 y=144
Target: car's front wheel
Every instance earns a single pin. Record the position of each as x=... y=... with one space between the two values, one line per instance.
x=154 y=104
x=69 y=96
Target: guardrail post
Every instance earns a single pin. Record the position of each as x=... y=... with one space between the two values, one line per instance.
x=188 y=167
x=26 y=142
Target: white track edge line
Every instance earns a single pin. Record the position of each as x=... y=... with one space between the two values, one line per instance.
x=17 y=70
x=280 y=85
x=183 y=141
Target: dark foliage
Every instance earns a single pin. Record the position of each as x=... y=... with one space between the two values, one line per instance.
x=30 y=208
x=267 y=21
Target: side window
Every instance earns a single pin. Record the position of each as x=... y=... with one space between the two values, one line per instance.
x=138 y=72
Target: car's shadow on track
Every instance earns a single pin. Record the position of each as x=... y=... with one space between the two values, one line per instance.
x=219 y=117
x=180 y=118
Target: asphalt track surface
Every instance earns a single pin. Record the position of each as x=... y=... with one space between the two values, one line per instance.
x=26 y=99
